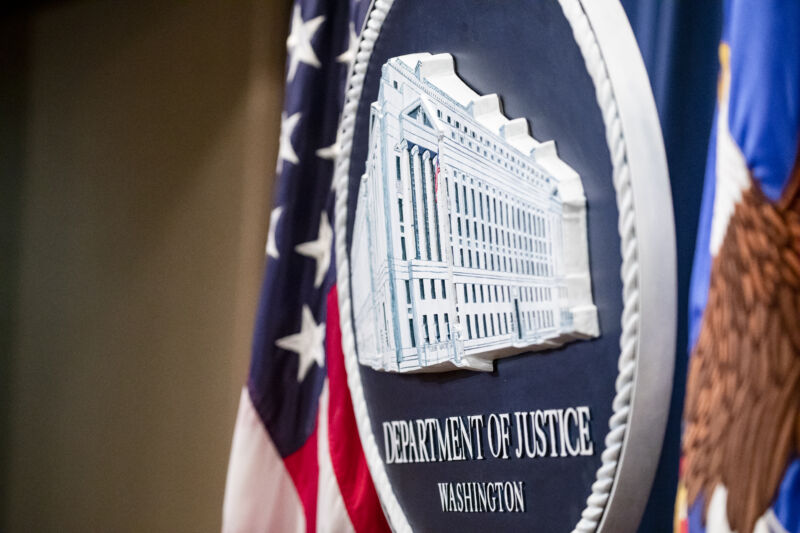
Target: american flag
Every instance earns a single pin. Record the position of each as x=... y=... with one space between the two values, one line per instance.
x=296 y=461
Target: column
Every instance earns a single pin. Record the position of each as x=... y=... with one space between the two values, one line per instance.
x=409 y=213
x=432 y=217
x=419 y=218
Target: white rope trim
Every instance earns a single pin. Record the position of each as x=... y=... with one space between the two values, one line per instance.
x=618 y=423
x=355 y=85
x=587 y=42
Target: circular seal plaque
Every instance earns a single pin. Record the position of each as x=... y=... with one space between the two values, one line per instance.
x=506 y=265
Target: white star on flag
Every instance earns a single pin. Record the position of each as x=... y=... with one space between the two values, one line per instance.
x=349 y=55
x=319 y=250
x=298 y=43
x=286 y=150
x=330 y=152
x=274 y=217
x=307 y=344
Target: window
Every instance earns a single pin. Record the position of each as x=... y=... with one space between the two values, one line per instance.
x=436 y=327
x=439 y=113
x=474 y=211
x=400 y=209
x=485 y=329
x=408 y=292
x=397 y=166
x=482 y=300
x=474 y=294
x=433 y=289
x=469 y=329
x=403 y=248
x=466 y=294
x=477 y=328
x=447 y=325
x=425 y=329
x=395 y=84
x=421 y=289
x=444 y=291
x=411 y=331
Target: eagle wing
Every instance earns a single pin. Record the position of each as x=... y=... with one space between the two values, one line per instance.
x=742 y=412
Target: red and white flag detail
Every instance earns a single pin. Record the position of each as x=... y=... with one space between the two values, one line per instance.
x=296 y=461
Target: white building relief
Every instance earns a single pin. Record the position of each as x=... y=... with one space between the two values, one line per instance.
x=470 y=236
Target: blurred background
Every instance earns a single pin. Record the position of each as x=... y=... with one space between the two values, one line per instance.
x=138 y=148
x=138 y=143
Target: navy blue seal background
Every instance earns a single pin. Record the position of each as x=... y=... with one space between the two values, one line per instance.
x=525 y=52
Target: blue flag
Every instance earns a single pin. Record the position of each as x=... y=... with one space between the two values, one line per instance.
x=740 y=469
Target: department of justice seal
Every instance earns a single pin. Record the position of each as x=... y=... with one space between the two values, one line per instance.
x=506 y=265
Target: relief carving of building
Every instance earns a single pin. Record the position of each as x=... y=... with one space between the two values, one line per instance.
x=470 y=240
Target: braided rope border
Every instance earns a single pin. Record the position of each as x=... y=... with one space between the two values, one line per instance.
x=618 y=423
x=355 y=85
x=586 y=40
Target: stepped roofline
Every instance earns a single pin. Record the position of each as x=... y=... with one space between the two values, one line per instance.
x=438 y=70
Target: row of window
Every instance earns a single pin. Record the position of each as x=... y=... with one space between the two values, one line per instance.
x=493 y=324
x=431 y=326
x=500 y=324
x=478 y=325
x=525 y=219
x=500 y=262
x=432 y=294
x=498 y=235
x=534 y=178
x=480 y=293
x=485 y=145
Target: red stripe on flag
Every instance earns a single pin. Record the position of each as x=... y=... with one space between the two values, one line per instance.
x=347 y=456
x=303 y=467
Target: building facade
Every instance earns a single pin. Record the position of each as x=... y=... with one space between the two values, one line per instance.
x=469 y=241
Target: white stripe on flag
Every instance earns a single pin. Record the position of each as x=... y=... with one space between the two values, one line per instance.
x=259 y=494
x=331 y=513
